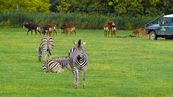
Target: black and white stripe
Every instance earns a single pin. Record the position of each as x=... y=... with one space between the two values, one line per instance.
x=45 y=48
x=78 y=62
x=57 y=64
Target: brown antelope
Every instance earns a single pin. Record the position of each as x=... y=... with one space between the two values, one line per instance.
x=31 y=27
x=113 y=28
x=49 y=29
x=138 y=31
x=109 y=28
x=68 y=29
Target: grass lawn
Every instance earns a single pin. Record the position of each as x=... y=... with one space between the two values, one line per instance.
x=118 y=67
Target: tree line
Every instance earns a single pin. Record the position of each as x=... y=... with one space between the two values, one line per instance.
x=117 y=7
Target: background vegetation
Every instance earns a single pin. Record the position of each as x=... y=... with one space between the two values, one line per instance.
x=127 y=14
x=118 y=67
x=83 y=21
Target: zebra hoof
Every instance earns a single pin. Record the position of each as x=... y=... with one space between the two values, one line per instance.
x=75 y=86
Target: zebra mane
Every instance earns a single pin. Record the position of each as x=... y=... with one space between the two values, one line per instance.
x=79 y=43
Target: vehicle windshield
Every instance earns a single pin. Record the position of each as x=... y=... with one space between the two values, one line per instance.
x=163 y=21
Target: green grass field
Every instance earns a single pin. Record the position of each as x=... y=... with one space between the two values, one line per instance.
x=118 y=67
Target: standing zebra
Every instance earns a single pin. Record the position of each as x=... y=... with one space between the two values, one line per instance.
x=78 y=62
x=57 y=64
x=45 y=48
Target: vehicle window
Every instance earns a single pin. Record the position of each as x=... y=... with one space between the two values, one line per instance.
x=163 y=21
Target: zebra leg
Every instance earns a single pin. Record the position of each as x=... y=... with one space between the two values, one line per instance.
x=45 y=67
x=49 y=53
x=83 y=78
x=39 y=54
x=75 y=77
x=44 y=55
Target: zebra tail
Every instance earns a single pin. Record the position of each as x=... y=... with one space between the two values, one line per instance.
x=49 y=51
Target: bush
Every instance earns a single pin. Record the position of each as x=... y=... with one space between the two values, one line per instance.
x=83 y=21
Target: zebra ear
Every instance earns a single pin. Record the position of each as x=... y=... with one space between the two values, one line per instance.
x=74 y=42
x=83 y=43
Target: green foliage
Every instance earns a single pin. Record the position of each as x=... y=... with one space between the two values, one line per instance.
x=118 y=67
x=84 y=21
x=118 y=7
x=28 y=5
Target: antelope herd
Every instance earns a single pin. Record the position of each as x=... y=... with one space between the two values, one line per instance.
x=50 y=29
x=110 y=29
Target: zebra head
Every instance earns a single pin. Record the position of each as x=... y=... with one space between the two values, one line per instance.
x=78 y=50
x=78 y=54
x=79 y=44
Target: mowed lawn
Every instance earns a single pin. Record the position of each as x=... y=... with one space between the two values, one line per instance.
x=118 y=67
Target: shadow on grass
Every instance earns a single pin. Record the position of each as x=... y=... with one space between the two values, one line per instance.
x=124 y=36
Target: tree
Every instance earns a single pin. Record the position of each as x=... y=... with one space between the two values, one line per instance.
x=28 y=5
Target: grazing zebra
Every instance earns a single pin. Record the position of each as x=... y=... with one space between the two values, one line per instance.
x=57 y=64
x=45 y=48
x=78 y=62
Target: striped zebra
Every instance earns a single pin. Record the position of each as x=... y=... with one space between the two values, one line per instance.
x=78 y=62
x=57 y=64
x=45 y=48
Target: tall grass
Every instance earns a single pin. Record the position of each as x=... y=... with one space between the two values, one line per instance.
x=85 y=21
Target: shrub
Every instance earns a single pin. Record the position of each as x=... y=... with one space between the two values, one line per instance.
x=83 y=21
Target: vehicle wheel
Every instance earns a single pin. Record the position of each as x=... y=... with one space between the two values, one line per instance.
x=152 y=36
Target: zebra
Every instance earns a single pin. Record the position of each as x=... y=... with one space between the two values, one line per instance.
x=78 y=62
x=45 y=48
x=57 y=64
